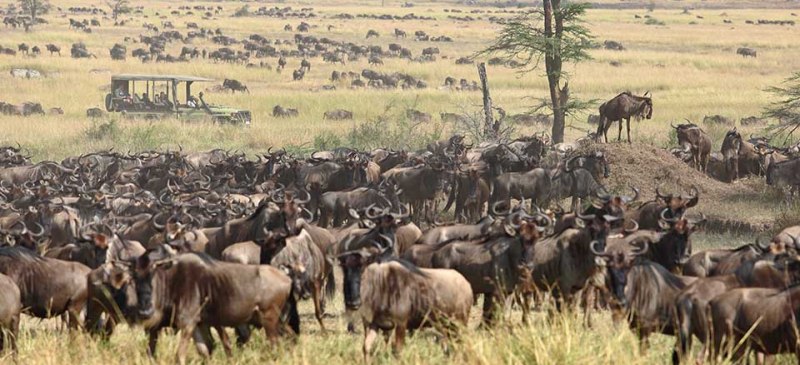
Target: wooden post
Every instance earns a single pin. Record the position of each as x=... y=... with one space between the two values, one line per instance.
x=487 y=102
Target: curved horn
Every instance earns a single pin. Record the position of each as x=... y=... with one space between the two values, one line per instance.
x=41 y=230
x=662 y=196
x=494 y=211
x=628 y=200
x=643 y=247
x=663 y=216
x=369 y=210
x=303 y=201
x=634 y=228
x=587 y=217
x=157 y=225
x=596 y=251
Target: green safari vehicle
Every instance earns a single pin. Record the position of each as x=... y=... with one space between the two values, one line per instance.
x=157 y=96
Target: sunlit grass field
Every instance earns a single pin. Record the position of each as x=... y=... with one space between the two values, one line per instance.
x=689 y=64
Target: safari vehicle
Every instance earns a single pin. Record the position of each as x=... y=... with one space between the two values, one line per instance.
x=157 y=96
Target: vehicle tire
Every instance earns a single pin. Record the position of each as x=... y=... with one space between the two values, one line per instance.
x=109 y=103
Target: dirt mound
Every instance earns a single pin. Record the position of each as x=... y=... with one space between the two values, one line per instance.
x=646 y=167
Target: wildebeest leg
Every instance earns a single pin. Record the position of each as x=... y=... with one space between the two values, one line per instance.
x=488 y=308
x=183 y=342
x=627 y=127
x=270 y=320
x=13 y=329
x=203 y=340
x=226 y=341
x=619 y=136
x=399 y=338
x=370 y=335
x=317 y=297
x=152 y=341
x=589 y=298
x=242 y=334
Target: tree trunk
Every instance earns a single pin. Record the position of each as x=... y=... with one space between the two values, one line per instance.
x=487 y=102
x=553 y=29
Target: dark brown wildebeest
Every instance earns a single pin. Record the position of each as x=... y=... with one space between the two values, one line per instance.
x=722 y=261
x=746 y=52
x=696 y=142
x=337 y=114
x=398 y=296
x=717 y=119
x=372 y=33
x=48 y=287
x=281 y=63
x=785 y=173
x=10 y=308
x=281 y=112
x=663 y=206
x=740 y=156
x=306 y=265
x=52 y=48
x=109 y=295
x=336 y=205
x=470 y=193
x=217 y=294
x=234 y=86
x=493 y=267
x=305 y=65
x=298 y=75
x=758 y=319
x=623 y=106
x=399 y=33
x=766 y=272
x=649 y=295
x=23 y=48
x=418 y=116
x=375 y=60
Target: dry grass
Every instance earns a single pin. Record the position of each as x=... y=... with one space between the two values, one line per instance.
x=691 y=69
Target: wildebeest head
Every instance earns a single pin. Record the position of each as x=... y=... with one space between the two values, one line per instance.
x=675 y=246
x=596 y=163
x=614 y=205
x=731 y=144
x=677 y=204
x=353 y=264
x=618 y=261
x=597 y=226
x=144 y=269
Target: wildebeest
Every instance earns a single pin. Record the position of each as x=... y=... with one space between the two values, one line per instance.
x=372 y=33
x=337 y=114
x=375 y=60
x=217 y=294
x=717 y=119
x=10 y=308
x=398 y=296
x=746 y=52
x=305 y=65
x=298 y=75
x=758 y=319
x=306 y=265
x=60 y=286
x=623 y=106
x=769 y=271
x=786 y=173
x=281 y=112
x=399 y=33
x=52 y=48
x=234 y=86
x=664 y=206
x=494 y=267
x=695 y=141
x=740 y=156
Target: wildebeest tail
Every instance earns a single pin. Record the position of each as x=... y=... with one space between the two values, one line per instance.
x=330 y=285
x=290 y=315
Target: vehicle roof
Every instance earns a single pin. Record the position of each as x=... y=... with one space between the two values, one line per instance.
x=135 y=77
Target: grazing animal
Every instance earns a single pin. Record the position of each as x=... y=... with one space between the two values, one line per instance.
x=298 y=75
x=281 y=112
x=10 y=308
x=337 y=114
x=623 y=106
x=398 y=296
x=234 y=86
x=372 y=33
x=218 y=294
x=60 y=285
x=785 y=173
x=696 y=142
x=740 y=156
x=746 y=52
x=305 y=65
x=52 y=48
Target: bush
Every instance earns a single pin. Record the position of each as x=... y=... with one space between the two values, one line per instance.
x=654 y=21
x=243 y=11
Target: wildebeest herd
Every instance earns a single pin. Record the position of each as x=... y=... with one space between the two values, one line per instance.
x=217 y=240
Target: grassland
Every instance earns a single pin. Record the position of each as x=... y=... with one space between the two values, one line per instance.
x=689 y=64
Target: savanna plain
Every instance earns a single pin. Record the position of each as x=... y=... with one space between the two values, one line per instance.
x=683 y=52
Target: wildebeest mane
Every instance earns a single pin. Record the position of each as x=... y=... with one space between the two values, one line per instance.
x=408 y=265
x=204 y=257
x=20 y=253
x=647 y=284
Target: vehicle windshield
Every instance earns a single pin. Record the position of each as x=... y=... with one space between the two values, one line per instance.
x=155 y=95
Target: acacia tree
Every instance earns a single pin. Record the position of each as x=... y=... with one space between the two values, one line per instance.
x=787 y=108
x=34 y=8
x=118 y=7
x=556 y=34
